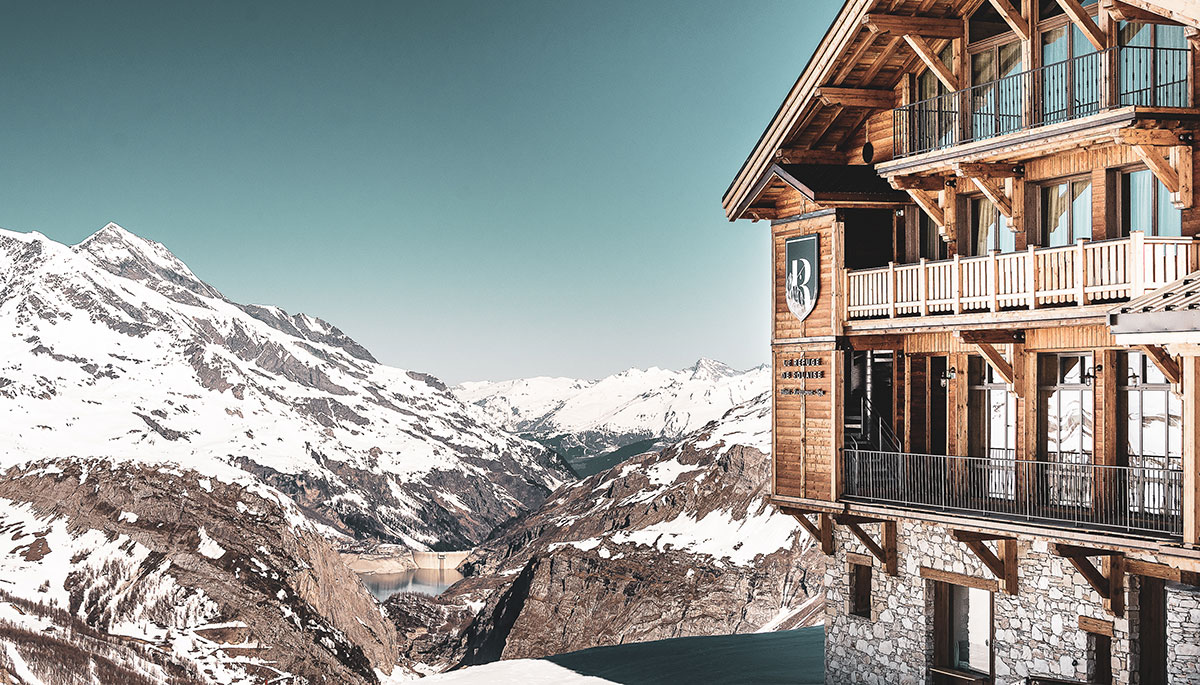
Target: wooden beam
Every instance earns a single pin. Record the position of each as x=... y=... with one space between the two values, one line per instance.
x=855 y=58
x=1165 y=362
x=1095 y=626
x=995 y=336
x=1137 y=567
x=917 y=182
x=1013 y=18
x=833 y=117
x=1191 y=449
x=929 y=205
x=1084 y=21
x=959 y=579
x=1004 y=569
x=997 y=361
x=1150 y=137
x=821 y=532
x=1181 y=160
x=795 y=155
x=1159 y=165
x=927 y=27
x=997 y=194
x=1110 y=585
x=880 y=341
x=885 y=549
x=1116 y=584
x=888 y=51
x=872 y=98
x=1121 y=11
x=927 y=55
x=989 y=170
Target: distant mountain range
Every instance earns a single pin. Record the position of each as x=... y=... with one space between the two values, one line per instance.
x=597 y=423
x=114 y=349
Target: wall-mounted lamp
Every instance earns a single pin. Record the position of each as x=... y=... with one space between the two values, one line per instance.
x=948 y=375
x=899 y=212
x=1090 y=377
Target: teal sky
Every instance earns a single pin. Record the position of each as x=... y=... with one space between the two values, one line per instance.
x=478 y=190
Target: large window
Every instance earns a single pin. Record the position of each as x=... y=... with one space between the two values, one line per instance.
x=935 y=120
x=997 y=98
x=1154 y=65
x=1154 y=432
x=963 y=629
x=1067 y=437
x=992 y=420
x=990 y=230
x=1146 y=205
x=1066 y=212
x=1070 y=76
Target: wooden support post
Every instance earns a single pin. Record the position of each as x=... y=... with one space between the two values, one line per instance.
x=1013 y=18
x=1159 y=165
x=1083 y=20
x=1181 y=161
x=1111 y=585
x=885 y=549
x=929 y=205
x=821 y=532
x=1191 y=450
x=934 y=63
x=997 y=361
x=1004 y=567
x=1165 y=362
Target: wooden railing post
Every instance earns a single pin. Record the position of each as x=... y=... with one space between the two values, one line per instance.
x=1080 y=272
x=923 y=288
x=1137 y=264
x=891 y=290
x=956 y=283
x=993 y=283
x=1031 y=276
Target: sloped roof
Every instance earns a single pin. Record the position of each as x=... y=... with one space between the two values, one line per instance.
x=1173 y=308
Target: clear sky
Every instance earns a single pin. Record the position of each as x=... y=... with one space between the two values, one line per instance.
x=478 y=190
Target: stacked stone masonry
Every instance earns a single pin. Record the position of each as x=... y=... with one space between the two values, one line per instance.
x=1036 y=631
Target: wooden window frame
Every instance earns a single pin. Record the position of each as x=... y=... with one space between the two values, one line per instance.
x=1043 y=235
x=859 y=574
x=943 y=637
x=1122 y=203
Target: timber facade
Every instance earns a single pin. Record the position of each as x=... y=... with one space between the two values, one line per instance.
x=986 y=337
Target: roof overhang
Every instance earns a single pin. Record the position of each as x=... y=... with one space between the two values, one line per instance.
x=829 y=185
x=1170 y=314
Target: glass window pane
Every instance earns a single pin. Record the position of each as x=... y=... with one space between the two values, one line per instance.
x=1139 y=199
x=984 y=219
x=1054 y=215
x=1134 y=426
x=1154 y=423
x=1174 y=426
x=1070 y=370
x=972 y=628
x=1170 y=218
x=1081 y=210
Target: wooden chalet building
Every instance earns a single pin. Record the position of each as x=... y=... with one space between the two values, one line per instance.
x=986 y=336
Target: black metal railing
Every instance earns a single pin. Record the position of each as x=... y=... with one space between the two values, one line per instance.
x=1145 y=497
x=1062 y=91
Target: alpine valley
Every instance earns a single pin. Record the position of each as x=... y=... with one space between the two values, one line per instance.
x=186 y=477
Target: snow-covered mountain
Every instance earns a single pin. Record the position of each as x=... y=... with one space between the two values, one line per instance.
x=114 y=349
x=584 y=419
x=674 y=543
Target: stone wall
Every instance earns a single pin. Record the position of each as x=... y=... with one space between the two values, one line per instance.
x=1183 y=633
x=1036 y=631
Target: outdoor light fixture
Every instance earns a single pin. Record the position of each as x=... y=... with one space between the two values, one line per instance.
x=1090 y=377
x=948 y=375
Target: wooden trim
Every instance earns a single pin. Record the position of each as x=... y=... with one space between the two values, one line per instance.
x=871 y=98
x=1161 y=168
x=1095 y=626
x=885 y=549
x=959 y=579
x=860 y=559
x=1110 y=583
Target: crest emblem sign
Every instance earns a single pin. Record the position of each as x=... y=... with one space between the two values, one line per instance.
x=800 y=281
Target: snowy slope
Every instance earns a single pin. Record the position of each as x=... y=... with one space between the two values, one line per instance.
x=674 y=543
x=113 y=348
x=623 y=408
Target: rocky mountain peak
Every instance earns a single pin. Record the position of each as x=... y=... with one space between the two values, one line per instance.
x=124 y=254
x=711 y=369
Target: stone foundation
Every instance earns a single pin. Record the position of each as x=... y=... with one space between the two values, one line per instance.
x=1037 y=631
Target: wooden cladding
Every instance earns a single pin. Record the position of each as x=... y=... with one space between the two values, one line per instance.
x=823 y=320
x=807 y=419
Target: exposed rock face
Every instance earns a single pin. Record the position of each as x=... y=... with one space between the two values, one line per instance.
x=638 y=410
x=207 y=572
x=679 y=542
x=371 y=452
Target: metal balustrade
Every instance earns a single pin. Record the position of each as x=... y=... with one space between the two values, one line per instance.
x=1051 y=94
x=1144 y=498
x=1079 y=274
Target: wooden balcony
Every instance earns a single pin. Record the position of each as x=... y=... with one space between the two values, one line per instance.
x=1076 y=275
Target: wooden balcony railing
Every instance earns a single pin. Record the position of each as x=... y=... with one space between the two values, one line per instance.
x=1079 y=274
x=1144 y=498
